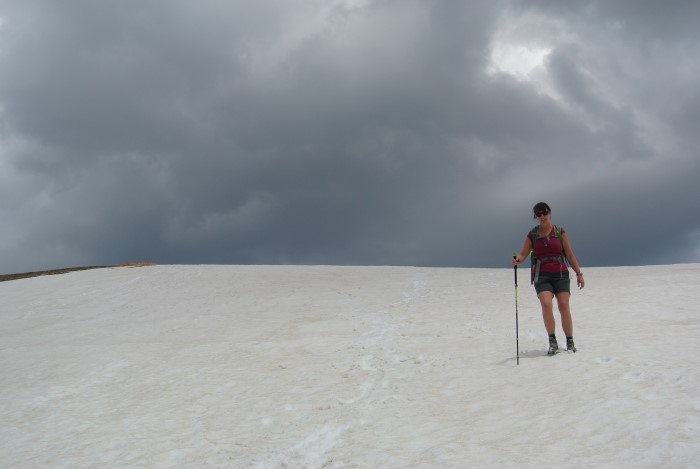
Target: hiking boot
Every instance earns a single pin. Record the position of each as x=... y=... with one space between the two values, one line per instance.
x=553 y=346
x=570 y=344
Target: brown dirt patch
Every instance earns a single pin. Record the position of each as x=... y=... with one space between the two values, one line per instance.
x=8 y=277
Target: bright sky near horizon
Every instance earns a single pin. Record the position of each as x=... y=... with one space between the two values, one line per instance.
x=346 y=132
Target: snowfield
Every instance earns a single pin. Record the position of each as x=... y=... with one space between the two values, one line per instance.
x=357 y=367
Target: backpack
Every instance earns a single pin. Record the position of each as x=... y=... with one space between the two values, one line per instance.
x=535 y=262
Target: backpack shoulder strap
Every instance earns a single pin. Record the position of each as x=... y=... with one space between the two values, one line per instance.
x=557 y=233
x=534 y=234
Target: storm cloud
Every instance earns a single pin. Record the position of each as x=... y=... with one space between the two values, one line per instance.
x=347 y=131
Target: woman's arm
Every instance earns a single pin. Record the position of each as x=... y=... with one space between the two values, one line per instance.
x=524 y=252
x=572 y=260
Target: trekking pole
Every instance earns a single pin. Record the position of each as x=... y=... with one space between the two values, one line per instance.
x=517 y=342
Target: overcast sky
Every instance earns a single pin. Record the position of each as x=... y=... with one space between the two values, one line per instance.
x=363 y=132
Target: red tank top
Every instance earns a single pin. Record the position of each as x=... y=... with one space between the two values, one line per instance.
x=549 y=246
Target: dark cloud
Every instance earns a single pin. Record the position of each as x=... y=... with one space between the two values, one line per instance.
x=344 y=132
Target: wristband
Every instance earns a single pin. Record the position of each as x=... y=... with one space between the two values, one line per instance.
x=579 y=274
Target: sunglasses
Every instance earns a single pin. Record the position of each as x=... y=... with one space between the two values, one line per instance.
x=541 y=214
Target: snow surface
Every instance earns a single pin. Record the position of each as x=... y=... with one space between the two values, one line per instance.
x=284 y=366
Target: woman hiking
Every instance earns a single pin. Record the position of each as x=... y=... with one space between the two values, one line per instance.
x=551 y=250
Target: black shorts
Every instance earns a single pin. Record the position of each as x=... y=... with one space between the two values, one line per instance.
x=555 y=282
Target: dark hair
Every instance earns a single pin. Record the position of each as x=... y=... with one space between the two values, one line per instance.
x=540 y=207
